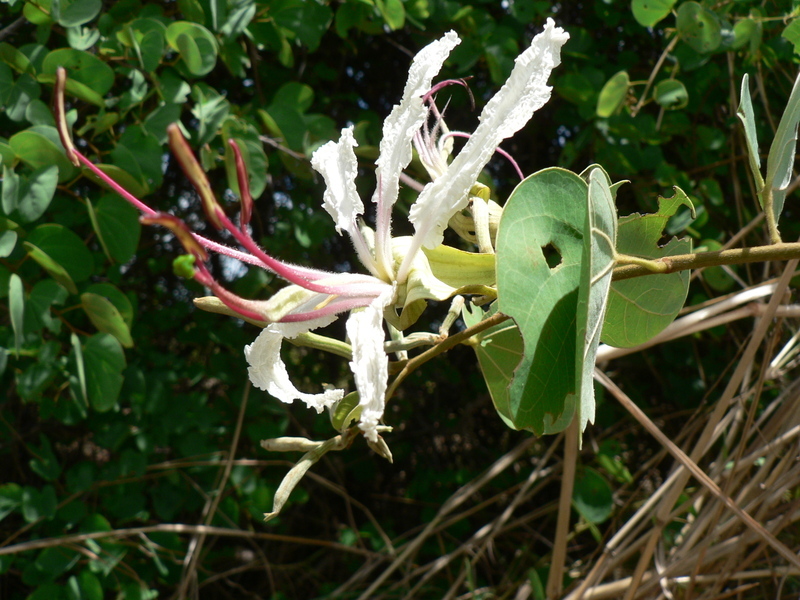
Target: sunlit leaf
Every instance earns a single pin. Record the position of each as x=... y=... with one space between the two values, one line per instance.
x=613 y=94
x=105 y=316
x=650 y=12
x=642 y=307
x=699 y=27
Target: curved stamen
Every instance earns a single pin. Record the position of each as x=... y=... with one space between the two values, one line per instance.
x=499 y=150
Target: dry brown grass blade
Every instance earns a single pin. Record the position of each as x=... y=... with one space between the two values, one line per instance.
x=451 y=504
x=555 y=577
x=696 y=471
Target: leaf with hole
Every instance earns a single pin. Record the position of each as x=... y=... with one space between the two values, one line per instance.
x=642 y=307
x=539 y=254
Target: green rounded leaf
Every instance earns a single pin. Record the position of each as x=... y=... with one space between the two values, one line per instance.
x=196 y=45
x=671 y=94
x=73 y=13
x=650 y=12
x=81 y=66
x=105 y=316
x=613 y=94
x=104 y=361
x=699 y=27
x=39 y=147
x=640 y=308
x=117 y=225
x=592 y=497
x=55 y=270
x=65 y=247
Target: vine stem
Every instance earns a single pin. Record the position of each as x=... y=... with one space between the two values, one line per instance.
x=734 y=256
x=448 y=343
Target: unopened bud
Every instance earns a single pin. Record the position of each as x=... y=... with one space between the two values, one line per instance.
x=244 y=183
x=61 y=116
x=192 y=169
x=181 y=231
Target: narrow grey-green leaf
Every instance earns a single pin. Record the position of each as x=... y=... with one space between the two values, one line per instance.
x=780 y=161
x=613 y=94
x=748 y=119
x=597 y=265
x=80 y=369
x=16 y=306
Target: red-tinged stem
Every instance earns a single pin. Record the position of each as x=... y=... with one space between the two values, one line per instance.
x=116 y=187
x=334 y=308
x=288 y=272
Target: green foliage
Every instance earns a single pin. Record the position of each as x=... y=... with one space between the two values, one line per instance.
x=120 y=397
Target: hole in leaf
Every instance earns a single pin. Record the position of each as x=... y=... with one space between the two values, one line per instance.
x=552 y=255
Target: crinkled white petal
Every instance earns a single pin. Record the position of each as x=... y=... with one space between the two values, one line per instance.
x=370 y=364
x=398 y=131
x=506 y=113
x=268 y=372
x=337 y=163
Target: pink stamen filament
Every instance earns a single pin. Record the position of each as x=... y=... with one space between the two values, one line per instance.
x=499 y=150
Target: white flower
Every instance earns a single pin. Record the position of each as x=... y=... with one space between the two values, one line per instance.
x=391 y=262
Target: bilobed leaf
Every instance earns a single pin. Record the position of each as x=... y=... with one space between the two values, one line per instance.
x=39 y=147
x=36 y=193
x=699 y=27
x=117 y=225
x=393 y=13
x=671 y=94
x=640 y=308
x=650 y=12
x=499 y=351
x=597 y=264
x=81 y=66
x=55 y=270
x=73 y=13
x=544 y=218
x=613 y=94
x=14 y=58
x=105 y=316
x=780 y=161
x=196 y=45
x=64 y=246
x=104 y=361
x=748 y=119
